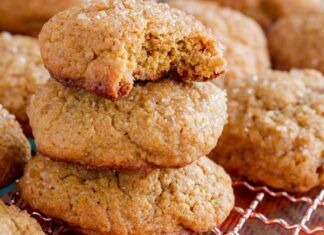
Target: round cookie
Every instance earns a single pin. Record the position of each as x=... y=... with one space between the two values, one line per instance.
x=14 y=148
x=275 y=133
x=265 y=12
x=197 y=197
x=244 y=41
x=21 y=72
x=164 y=124
x=28 y=17
x=14 y=221
x=104 y=48
x=303 y=37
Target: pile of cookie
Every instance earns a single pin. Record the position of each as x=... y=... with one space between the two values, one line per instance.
x=124 y=124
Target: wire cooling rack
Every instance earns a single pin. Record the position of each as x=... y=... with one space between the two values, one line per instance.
x=258 y=210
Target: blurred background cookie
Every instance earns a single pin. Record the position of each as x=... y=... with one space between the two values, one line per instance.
x=104 y=48
x=164 y=124
x=197 y=197
x=14 y=148
x=265 y=12
x=16 y=222
x=275 y=133
x=245 y=43
x=28 y=16
x=297 y=41
x=21 y=73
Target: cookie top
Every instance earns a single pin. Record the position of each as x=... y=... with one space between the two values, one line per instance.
x=303 y=37
x=265 y=12
x=275 y=132
x=21 y=72
x=197 y=197
x=28 y=17
x=103 y=48
x=244 y=41
x=165 y=123
x=14 y=221
x=14 y=148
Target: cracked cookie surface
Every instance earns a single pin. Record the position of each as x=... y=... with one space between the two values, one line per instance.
x=16 y=222
x=165 y=123
x=196 y=197
x=275 y=133
x=103 y=48
x=244 y=41
x=14 y=148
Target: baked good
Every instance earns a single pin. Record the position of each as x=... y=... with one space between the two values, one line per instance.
x=303 y=37
x=104 y=47
x=16 y=222
x=275 y=132
x=28 y=17
x=14 y=148
x=21 y=72
x=265 y=12
x=165 y=124
x=245 y=43
x=197 y=197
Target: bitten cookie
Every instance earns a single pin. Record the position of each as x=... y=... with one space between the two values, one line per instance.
x=265 y=12
x=165 y=124
x=14 y=148
x=16 y=222
x=104 y=48
x=275 y=133
x=28 y=16
x=21 y=72
x=244 y=41
x=303 y=37
x=197 y=197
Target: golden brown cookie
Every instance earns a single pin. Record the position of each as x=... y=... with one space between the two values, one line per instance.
x=197 y=197
x=244 y=41
x=165 y=123
x=14 y=148
x=275 y=133
x=104 y=48
x=21 y=73
x=16 y=222
x=28 y=16
x=303 y=38
x=265 y=12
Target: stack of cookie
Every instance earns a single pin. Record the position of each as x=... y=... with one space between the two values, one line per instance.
x=123 y=127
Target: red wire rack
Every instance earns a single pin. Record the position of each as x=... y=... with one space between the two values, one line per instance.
x=258 y=210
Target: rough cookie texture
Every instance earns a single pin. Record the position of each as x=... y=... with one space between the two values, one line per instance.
x=21 y=72
x=275 y=133
x=245 y=43
x=103 y=48
x=28 y=16
x=303 y=37
x=165 y=124
x=197 y=197
x=16 y=222
x=14 y=148
x=265 y=12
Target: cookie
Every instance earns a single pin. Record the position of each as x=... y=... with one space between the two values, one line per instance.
x=303 y=37
x=104 y=48
x=275 y=133
x=265 y=12
x=28 y=17
x=13 y=221
x=21 y=72
x=164 y=124
x=14 y=148
x=244 y=41
x=197 y=197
